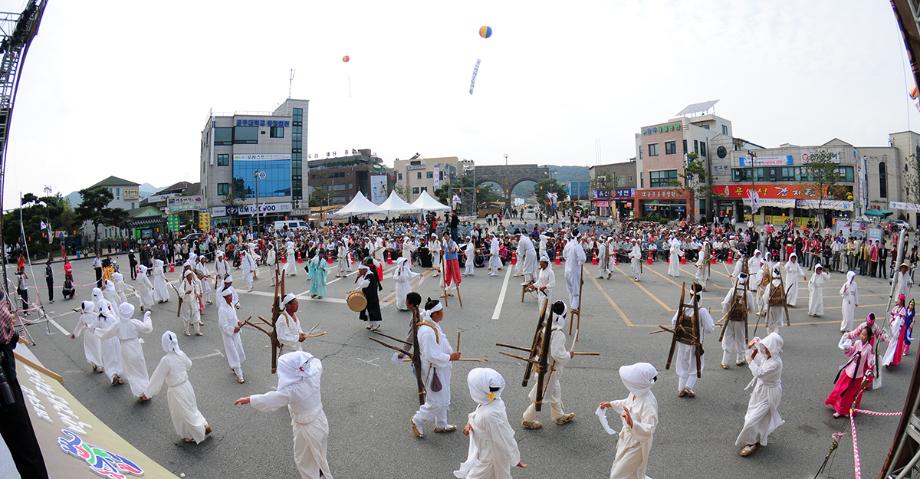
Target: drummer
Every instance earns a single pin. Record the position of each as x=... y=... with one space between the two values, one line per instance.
x=368 y=283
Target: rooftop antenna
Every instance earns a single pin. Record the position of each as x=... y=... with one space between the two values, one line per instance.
x=290 y=82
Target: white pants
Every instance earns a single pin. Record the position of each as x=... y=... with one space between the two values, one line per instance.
x=249 y=275
x=469 y=265
x=733 y=347
x=686 y=366
x=430 y=413
x=572 y=282
x=494 y=263
x=553 y=396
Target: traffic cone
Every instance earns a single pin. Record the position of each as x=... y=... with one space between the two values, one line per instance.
x=649 y=258
x=558 y=259
x=594 y=259
x=299 y=260
x=172 y=267
x=513 y=258
x=712 y=259
x=683 y=260
x=389 y=258
x=729 y=257
x=329 y=258
x=616 y=261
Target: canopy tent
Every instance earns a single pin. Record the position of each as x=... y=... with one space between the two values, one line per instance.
x=396 y=205
x=879 y=213
x=359 y=205
x=427 y=203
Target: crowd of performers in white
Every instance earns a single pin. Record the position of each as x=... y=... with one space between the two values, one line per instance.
x=761 y=286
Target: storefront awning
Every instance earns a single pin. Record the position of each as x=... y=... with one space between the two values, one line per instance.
x=879 y=213
x=826 y=205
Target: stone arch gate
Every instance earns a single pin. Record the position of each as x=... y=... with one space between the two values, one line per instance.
x=508 y=176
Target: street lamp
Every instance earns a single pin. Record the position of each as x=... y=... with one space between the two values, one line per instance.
x=258 y=175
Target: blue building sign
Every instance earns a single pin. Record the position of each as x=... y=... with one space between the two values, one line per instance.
x=241 y=122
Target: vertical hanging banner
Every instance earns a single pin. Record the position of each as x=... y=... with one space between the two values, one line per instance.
x=204 y=222
x=475 y=72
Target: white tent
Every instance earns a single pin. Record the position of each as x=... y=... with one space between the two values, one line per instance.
x=396 y=205
x=427 y=203
x=359 y=205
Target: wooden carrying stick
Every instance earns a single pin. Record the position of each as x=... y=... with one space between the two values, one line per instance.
x=47 y=372
x=584 y=353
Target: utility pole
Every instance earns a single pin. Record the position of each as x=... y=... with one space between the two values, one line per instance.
x=259 y=175
x=753 y=157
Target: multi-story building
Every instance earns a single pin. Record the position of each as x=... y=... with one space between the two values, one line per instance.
x=125 y=195
x=613 y=188
x=415 y=175
x=335 y=181
x=255 y=158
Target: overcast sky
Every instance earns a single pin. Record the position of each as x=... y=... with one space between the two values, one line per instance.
x=124 y=88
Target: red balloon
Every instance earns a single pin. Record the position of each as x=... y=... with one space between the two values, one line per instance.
x=346 y=58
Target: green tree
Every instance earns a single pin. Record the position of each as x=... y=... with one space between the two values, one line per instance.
x=695 y=179
x=34 y=210
x=823 y=174
x=94 y=208
x=546 y=186
x=320 y=197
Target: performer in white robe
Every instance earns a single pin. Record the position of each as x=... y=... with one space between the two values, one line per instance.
x=816 y=290
x=470 y=261
x=342 y=260
x=495 y=262
x=287 y=325
x=733 y=342
x=611 y=248
x=403 y=276
x=762 y=416
x=378 y=249
x=529 y=258
x=160 y=292
x=128 y=330
x=794 y=273
x=271 y=256
x=685 y=360
x=639 y=412
x=248 y=266
x=229 y=325
x=542 y=288
x=187 y=420
x=552 y=393
x=191 y=295
x=493 y=450
x=434 y=246
x=574 y=255
x=109 y=293
x=221 y=269
x=755 y=266
x=203 y=275
x=106 y=317
x=849 y=292
x=902 y=281
x=144 y=288
x=299 y=375
x=674 y=257
x=635 y=259
x=290 y=263
x=544 y=240
x=436 y=355
x=601 y=257
x=895 y=340
x=772 y=303
x=120 y=288
x=703 y=264
x=92 y=345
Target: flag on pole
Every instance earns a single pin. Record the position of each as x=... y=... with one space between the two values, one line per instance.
x=754 y=196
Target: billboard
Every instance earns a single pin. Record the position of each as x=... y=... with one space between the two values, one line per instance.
x=263 y=208
x=274 y=174
x=178 y=204
x=378 y=189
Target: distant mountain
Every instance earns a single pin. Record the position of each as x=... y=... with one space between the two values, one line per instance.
x=146 y=189
x=565 y=174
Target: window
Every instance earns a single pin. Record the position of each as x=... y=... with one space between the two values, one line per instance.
x=223 y=136
x=276 y=132
x=423 y=188
x=399 y=176
x=415 y=190
x=696 y=146
x=702 y=148
x=418 y=175
x=653 y=149
x=117 y=193
x=223 y=188
x=245 y=135
x=685 y=147
x=725 y=129
x=882 y=181
x=429 y=175
x=223 y=159
x=662 y=178
x=670 y=147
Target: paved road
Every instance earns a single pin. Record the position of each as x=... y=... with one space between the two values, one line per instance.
x=369 y=401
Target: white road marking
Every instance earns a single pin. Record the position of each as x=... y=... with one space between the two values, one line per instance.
x=371 y=362
x=59 y=327
x=214 y=354
x=501 y=295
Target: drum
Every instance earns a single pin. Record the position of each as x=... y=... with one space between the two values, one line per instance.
x=356 y=301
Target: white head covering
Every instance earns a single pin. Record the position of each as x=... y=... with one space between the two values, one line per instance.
x=228 y=278
x=793 y=255
x=426 y=313
x=109 y=285
x=288 y=298
x=88 y=306
x=482 y=381
x=742 y=278
x=97 y=295
x=774 y=343
x=119 y=278
x=126 y=310
x=298 y=366
x=818 y=265
x=756 y=252
x=544 y=257
x=559 y=320
x=850 y=276
x=638 y=378
x=142 y=269
x=777 y=277
x=170 y=342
